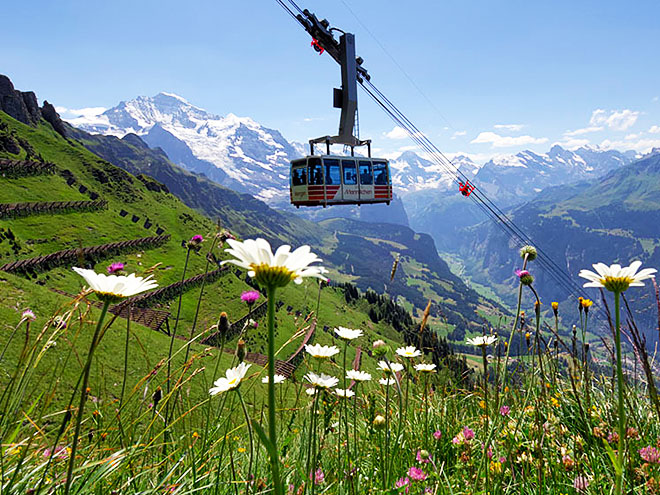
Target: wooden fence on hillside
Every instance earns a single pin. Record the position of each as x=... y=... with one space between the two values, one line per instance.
x=152 y=318
x=171 y=291
x=82 y=255
x=14 y=210
x=25 y=168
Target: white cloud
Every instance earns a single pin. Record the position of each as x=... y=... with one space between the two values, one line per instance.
x=619 y=120
x=509 y=127
x=498 y=141
x=641 y=145
x=396 y=133
x=584 y=130
x=655 y=129
x=80 y=112
x=458 y=133
x=631 y=137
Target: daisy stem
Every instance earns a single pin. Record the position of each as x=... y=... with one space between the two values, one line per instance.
x=272 y=432
x=83 y=397
x=249 y=427
x=344 y=409
x=619 y=375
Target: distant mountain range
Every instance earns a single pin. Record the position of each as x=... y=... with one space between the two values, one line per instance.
x=234 y=151
x=242 y=154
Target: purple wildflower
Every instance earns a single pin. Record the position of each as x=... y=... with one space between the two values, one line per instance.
x=504 y=410
x=28 y=314
x=423 y=456
x=437 y=434
x=196 y=239
x=581 y=483
x=416 y=474
x=318 y=476
x=525 y=277
x=115 y=267
x=250 y=297
x=403 y=482
x=650 y=454
x=468 y=433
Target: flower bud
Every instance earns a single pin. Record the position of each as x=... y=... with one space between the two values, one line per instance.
x=223 y=324
x=379 y=347
x=240 y=350
x=158 y=395
x=379 y=422
x=528 y=252
x=555 y=307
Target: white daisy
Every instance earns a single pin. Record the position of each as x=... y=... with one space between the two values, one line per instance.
x=358 y=376
x=347 y=394
x=391 y=368
x=115 y=287
x=408 y=352
x=425 y=368
x=347 y=333
x=274 y=270
x=615 y=278
x=310 y=391
x=276 y=379
x=321 y=351
x=482 y=340
x=322 y=380
x=387 y=381
x=231 y=380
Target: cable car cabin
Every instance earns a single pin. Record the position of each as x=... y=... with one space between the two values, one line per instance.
x=340 y=180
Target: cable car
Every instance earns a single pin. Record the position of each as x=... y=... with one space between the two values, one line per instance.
x=339 y=180
x=323 y=180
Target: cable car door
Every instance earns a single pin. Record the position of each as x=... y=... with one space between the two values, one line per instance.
x=299 y=181
x=332 y=180
x=366 y=181
x=350 y=186
x=382 y=181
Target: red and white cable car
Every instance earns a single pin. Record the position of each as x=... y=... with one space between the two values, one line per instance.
x=344 y=180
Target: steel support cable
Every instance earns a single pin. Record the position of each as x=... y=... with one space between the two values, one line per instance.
x=505 y=223
x=481 y=200
x=440 y=157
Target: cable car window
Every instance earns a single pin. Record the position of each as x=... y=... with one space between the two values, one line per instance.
x=299 y=176
x=380 y=174
x=332 y=172
x=350 y=172
x=315 y=172
x=366 y=179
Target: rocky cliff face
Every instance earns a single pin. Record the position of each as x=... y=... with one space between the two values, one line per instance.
x=24 y=107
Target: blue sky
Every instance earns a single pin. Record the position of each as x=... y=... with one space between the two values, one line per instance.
x=489 y=77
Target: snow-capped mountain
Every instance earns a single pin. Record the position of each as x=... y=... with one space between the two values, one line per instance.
x=234 y=151
x=511 y=179
x=412 y=173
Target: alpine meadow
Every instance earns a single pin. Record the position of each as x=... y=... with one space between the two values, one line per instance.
x=452 y=292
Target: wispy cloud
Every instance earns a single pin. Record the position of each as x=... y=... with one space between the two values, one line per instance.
x=655 y=98
x=458 y=134
x=498 y=141
x=509 y=127
x=584 y=130
x=619 y=120
x=80 y=112
x=644 y=145
x=655 y=129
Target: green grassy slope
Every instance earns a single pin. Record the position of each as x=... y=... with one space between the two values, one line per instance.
x=42 y=234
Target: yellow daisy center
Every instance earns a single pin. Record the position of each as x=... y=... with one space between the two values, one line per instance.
x=616 y=284
x=272 y=276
